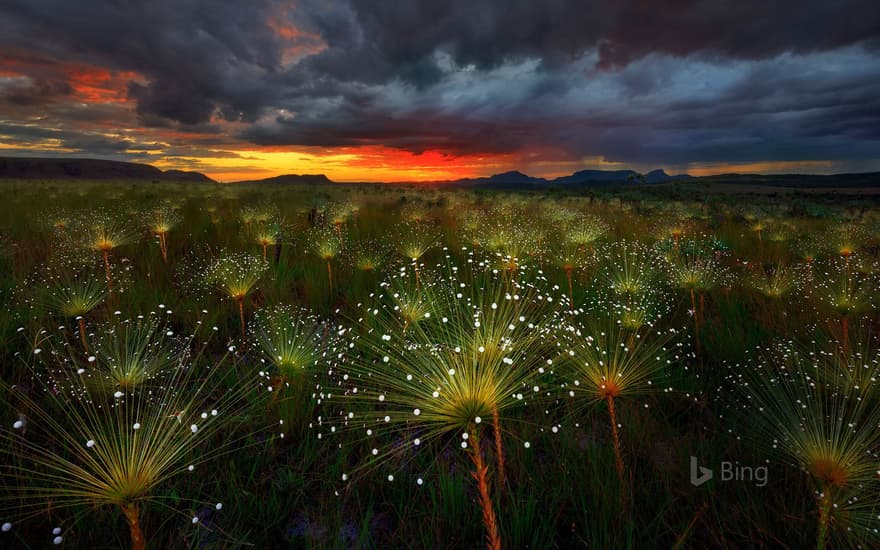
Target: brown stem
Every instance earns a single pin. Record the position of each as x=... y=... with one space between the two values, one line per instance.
x=481 y=474
x=163 y=247
x=82 y=334
x=132 y=514
x=824 y=517
x=241 y=319
x=499 y=449
x=618 y=457
x=265 y=247
x=330 y=276
x=683 y=537
x=106 y=255
x=568 y=270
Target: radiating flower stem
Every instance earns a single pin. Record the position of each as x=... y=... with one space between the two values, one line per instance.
x=330 y=276
x=163 y=247
x=618 y=457
x=568 y=271
x=241 y=319
x=481 y=474
x=499 y=449
x=82 y=334
x=132 y=514
x=106 y=255
x=824 y=517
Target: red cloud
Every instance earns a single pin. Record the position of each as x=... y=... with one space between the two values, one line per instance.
x=99 y=85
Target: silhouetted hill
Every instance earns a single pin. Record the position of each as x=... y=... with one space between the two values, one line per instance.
x=659 y=176
x=518 y=179
x=311 y=179
x=182 y=175
x=621 y=176
x=514 y=176
x=597 y=175
x=89 y=169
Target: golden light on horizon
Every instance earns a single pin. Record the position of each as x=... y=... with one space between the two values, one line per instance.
x=363 y=164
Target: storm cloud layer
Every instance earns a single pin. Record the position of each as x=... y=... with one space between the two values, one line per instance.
x=663 y=83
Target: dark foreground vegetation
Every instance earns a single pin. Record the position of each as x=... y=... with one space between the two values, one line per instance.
x=198 y=365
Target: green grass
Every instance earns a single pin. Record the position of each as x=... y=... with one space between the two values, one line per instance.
x=284 y=488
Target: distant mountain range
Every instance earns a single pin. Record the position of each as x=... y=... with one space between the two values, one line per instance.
x=92 y=169
x=513 y=178
x=583 y=176
x=311 y=179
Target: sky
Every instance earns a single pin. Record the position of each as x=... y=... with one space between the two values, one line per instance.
x=416 y=90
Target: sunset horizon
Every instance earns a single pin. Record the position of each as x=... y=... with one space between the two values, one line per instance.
x=438 y=173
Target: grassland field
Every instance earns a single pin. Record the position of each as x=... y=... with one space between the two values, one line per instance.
x=381 y=366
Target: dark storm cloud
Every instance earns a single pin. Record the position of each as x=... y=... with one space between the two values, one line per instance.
x=35 y=93
x=655 y=111
x=378 y=48
x=634 y=81
x=372 y=41
x=416 y=131
x=197 y=56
